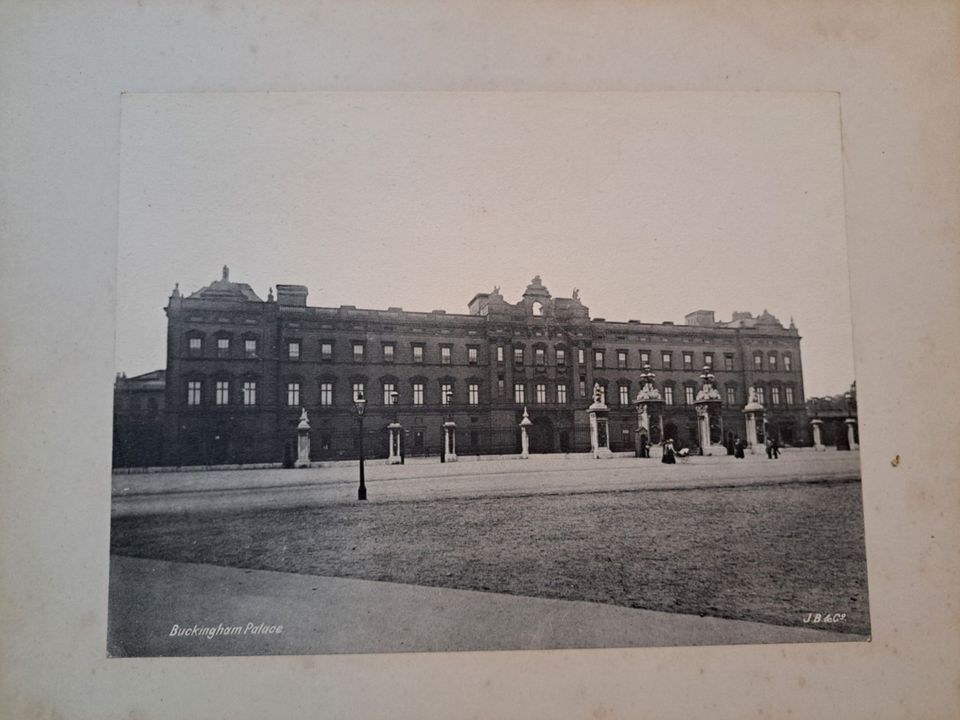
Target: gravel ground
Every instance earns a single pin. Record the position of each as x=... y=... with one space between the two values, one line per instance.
x=769 y=554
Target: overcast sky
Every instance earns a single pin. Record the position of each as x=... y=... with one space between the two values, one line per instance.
x=653 y=205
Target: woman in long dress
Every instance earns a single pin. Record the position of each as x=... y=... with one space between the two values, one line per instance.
x=738 y=448
x=668 y=453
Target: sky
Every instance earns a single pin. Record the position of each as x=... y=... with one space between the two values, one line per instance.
x=652 y=204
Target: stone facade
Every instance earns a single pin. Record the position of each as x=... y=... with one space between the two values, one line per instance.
x=240 y=370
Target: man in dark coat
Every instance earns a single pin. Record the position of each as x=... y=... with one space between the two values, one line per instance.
x=738 y=448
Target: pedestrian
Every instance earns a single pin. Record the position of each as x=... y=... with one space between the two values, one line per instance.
x=668 y=453
x=775 y=448
x=769 y=445
x=644 y=446
x=738 y=448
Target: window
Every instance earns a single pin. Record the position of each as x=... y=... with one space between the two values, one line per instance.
x=666 y=360
x=293 y=350
x=222 y=393
x=326 y=394
x=250 y=348
x=561 y=357
x=668 y=395
x=644 y=357
x=293 y=394
x=358 y=352
x=772 y=361
x=249 y=392
x=624 y=395
x=472 y=355
x=758 y=361
x=501 y=386
x=389 y=352
x=728 y=362
x=445 y=354
x=326 y=350
x=418 y=353
x=582 y=386
x=789 y=394
x=194 y=388
x=388 y=390
x=358 y=391
x=223 y=346
x=499 y=353
x=561 y=393
x=446 y=393
x=541 y=394
x=775 y=395
x=731 y=396
x=760 y=395
x=418 y=438
x=540 y=357
x=688 y=361
x=622 y=359
x=787 y=363
x=195 y=345
x=518 y=393
x=418 y=393
x=598 y=359
x=580 y=356
x=708 y=360
x=688 y=394
x=625 y=436
x=473 y=394
x=518 y=356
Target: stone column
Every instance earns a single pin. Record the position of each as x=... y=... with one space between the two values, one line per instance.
x=703 y=424
x=817 y=425
x=450 y=440
x=524 y=435
x=753 y=414
x=303 y=441
x=851 y=436
x=394 y=429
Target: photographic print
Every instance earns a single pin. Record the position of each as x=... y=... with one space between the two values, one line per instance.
x=453 y=371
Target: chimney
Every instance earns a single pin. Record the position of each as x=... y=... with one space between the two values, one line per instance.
x=292 y=295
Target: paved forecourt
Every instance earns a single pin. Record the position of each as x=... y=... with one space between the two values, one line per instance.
x=421 y=479
x=284 y=613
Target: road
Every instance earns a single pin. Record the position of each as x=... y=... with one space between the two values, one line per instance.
x=203 y=491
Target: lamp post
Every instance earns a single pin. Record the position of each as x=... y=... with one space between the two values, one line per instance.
x=395 y=397
x=394 y=431
x=360 y=404
x=449 y=451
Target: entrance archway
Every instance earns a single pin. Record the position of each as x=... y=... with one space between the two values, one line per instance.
x=542 y=438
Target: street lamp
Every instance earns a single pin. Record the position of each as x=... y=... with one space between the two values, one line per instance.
x=395 y=401
x=446 y=399
x=360 y=404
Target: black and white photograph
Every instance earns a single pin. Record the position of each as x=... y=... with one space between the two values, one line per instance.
x=444 y=371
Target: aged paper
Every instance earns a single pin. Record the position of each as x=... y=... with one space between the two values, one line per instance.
x=65 y=67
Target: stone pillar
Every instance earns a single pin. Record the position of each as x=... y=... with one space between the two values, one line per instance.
x=303 y=441
x=753 y=413
x=599 y=433
x=703 y=425
x=524 y=435
x=817 y=425
x=395 y=429
x=851 y=436
x=450 y=440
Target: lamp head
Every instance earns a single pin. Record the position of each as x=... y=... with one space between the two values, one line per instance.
x=360 y=403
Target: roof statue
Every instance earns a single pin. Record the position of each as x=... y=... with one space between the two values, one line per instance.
x=226 y=273
x=576 y=294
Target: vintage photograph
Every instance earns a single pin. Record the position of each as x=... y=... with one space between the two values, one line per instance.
x=420 y=372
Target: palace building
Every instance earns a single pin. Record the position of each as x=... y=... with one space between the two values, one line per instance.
x=240 y=369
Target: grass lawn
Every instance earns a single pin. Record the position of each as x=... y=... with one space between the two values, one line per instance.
x=771 y=554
